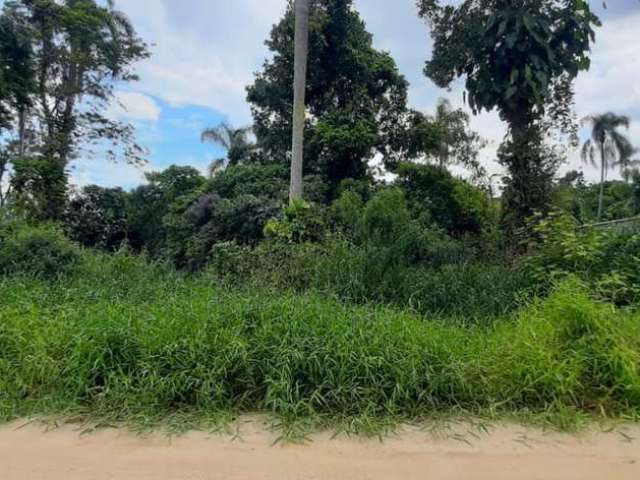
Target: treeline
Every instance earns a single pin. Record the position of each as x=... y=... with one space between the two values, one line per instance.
x=179 y=215
x=376 y=180
x=60 y=63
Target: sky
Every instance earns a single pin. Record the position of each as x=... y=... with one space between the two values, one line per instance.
x=205 y=53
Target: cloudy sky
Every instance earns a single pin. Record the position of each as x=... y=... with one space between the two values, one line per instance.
x=206 y=51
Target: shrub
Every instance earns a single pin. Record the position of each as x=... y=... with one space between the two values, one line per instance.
x=97 y=217
x=345 y=213
x=385 y=217
x=473 y=293
x=453 y=204
x=607 y=261
x=40 y=250
x=302 y=222
x=149 y=204
x=196 y=225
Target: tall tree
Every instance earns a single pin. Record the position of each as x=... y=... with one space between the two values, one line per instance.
x=457 y=143
x=80 y=48
x=301 y=57
x=16 y=88
x=519 y=57
x=612 y=148
x=355 y=96
x=235 y=141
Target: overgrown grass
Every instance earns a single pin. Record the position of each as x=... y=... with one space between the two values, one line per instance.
x=447 y=284
x=123 y=341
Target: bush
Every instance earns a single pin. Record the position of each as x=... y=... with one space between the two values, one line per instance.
x=40 y=250
x=345 y=213
x=455 y=205
x=97 y=217
x=607 y=261
x=385 y=217
x=472 y=293
x=196 y=225
x=302 y=222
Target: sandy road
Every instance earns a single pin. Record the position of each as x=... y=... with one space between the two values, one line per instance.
x=509 y=453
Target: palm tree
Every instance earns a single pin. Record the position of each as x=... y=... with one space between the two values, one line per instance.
x=234 y=140
x=457 y=143
x=299 y=88
x=614 y=149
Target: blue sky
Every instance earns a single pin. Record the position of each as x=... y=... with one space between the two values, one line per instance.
x=205 y=53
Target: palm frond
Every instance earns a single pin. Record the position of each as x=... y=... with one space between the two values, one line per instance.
x=623 y=146
x=588 y=153
x=221 y=134
x=215 y=167
x=617 y=149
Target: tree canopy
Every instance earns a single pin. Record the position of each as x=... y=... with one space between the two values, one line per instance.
x=519 y=57
x=77 y=49
x=356 y=97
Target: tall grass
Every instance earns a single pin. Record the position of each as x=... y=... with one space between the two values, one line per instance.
x=445 y=284
x=125 y=341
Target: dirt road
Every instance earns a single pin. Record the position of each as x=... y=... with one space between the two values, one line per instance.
x=509 y=453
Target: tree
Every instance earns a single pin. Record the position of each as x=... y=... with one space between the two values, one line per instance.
x=519 y=57
x=457 y=144
x=355 y=96
x=301 y=57
x=234 y=140
x=614 y=150
x=149 y=204
x=97 y=217
x=16 y=87
x=79 y=49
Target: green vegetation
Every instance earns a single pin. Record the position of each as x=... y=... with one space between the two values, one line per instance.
x=388 y=292
x=520 y=58
x=115 y=338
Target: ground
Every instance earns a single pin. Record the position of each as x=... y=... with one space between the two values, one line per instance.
x=29 y=451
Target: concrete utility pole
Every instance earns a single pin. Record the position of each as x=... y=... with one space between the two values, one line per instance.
x=299 y=88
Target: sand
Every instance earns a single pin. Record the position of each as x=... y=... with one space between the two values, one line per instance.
x=28 y=452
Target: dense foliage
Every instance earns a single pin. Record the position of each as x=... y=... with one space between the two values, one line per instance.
x=35 y=250
x=124 y=341
x=520 y=58
x=64 y=58
x=356 y=97
x=395 y=289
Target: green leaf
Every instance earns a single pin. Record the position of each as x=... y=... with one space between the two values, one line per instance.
x=515 y=74
x=503 y=28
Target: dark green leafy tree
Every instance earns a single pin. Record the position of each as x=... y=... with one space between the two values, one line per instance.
x=79 y=48
x=519 y=57
x=16 y=88
x=235 y=141
x=607 y=148
x=16 y=73
x=148 y=204
x=355 y=96
x=97 y=217
x=40 y=186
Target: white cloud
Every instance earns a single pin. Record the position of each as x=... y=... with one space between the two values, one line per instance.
x=93 y=171
x=134 y=106
x=204 y=52
x=612 y=83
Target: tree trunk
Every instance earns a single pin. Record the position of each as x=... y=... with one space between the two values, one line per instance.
x=602 y=179
x=299 y=88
